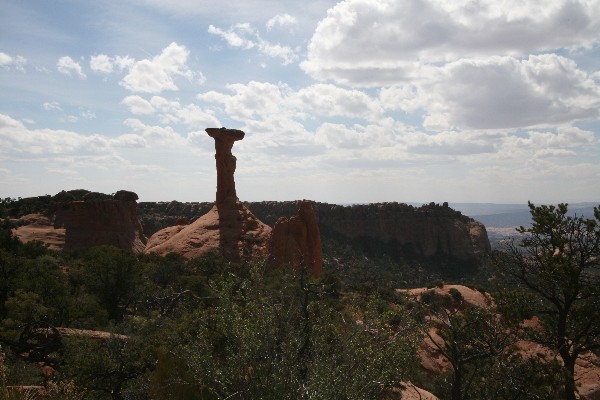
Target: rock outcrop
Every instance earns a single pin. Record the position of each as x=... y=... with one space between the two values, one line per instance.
x=98 y=220
x=229 y=229
x=429 y=232
x=39 y=227
x=296 y=241
x=434 y=236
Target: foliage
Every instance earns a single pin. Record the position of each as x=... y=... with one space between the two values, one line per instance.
x=278 y=337
x=557 y=261
x=114 y=276
x=208 y=329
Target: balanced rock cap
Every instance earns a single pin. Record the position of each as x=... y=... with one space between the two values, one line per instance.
x=225 y=134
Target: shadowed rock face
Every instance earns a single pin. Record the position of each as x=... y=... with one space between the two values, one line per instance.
x=229 y=228
x=296 y=241
x=101 y=222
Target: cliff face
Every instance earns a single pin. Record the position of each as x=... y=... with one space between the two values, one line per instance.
x=101 y=221
x=433 y=235
x=427 y=231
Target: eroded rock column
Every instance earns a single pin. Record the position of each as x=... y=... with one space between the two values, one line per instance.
x=225 y=161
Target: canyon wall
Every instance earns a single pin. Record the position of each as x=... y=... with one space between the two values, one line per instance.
x=433 y=234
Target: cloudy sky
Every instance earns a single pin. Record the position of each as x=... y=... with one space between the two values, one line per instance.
x=350 y=101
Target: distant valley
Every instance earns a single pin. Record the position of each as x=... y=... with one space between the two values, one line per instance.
x=501 y=220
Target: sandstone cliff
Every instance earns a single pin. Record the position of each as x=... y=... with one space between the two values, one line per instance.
x=434 y=236
x=296 y=241
x=98 y=220
x=79 y=219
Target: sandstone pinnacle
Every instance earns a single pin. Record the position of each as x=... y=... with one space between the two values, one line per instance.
x=225 y=161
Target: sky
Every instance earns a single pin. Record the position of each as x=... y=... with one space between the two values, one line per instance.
x=355 y=101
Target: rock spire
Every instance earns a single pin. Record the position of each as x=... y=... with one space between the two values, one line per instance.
x=225 y=161
x=229 y=228
x=296 y=241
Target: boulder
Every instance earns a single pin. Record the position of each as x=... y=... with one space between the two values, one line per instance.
x=296 y=241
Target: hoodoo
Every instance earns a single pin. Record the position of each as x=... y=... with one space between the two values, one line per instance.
x=296 y=241
x=229 y=229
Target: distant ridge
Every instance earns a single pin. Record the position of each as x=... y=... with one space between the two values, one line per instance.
x=512 y=215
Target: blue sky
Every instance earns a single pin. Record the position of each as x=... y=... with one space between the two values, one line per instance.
x=350 y=101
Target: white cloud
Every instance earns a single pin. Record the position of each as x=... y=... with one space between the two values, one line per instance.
x=87 y=114
x=101 y=63
x=105 y=64
x=396 y=38
x=8 y=62
x=244 y=36
x=52 y=106
x=235 y=35
x=138 y=105
x=286 y=53
x=498 y=93
x=17 y=141
x=158 y=74
x=68 y=66
x=170 y=112
x=327 y=99
x=196 y=117
x=254 y=100
x=164 y=136
x=281 y=20
x=129 y=140
x=502 y=92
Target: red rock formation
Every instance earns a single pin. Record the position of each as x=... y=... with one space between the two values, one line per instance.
x=92 y=222
x=39 y=227
x=296 y=241
x=229 y=228
x=226 y=162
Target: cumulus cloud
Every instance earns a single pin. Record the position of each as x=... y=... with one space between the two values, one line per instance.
x=101 y=63
x=394 y=39
x=159 y=73
x=503 y=92
x=169 y=111
x=138 y=105
x=246 y=37
x=327 y=99
x=261 y=100
x=105 y=64
x=254 y=100
x=281 y=20
x=164 y=136
x=68 y=66
x=9 y=62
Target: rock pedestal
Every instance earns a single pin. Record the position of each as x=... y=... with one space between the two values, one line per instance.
x=296 y=241
x=229 y=229
x=226 y=162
